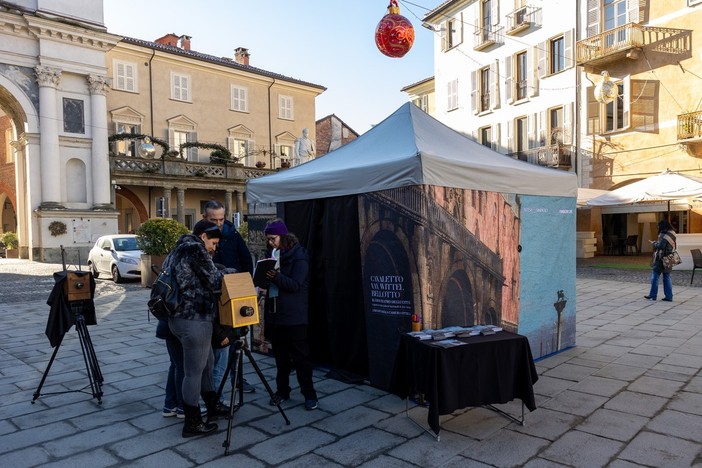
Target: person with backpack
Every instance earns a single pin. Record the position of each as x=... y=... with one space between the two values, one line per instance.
x=198 y=280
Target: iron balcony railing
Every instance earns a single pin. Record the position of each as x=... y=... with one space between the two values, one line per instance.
x=690 y=126
x=522 y=18
x=485 y=37
x=557 y=155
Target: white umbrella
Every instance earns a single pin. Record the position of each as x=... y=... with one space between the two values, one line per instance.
x=665 y=186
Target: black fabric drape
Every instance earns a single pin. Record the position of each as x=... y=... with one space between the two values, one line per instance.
x=328 y=228
x=61 y=318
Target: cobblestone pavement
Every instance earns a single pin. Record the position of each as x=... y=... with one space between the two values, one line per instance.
x=628 y=394
x=632 y=269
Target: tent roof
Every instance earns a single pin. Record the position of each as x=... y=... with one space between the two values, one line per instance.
x=664 y=186
x=409 y=148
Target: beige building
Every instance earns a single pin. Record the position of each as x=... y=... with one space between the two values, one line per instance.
x=194 y=105
x=423 y=95
x=650 y=50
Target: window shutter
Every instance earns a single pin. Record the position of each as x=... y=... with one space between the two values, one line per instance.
x=193 y=153
x=632 y=11
x=531 y=130
x=171 y=139
x=508 y=80
x=568 y=60
x=129 y=78
x=175 y=93
x=185 y=88
x=543 y=51
x=444 y=35
x=121 y=80
x=459 y=28
x=495 y=85
x=626 y=102
x=510 y=137
x=532 y=72
x=593 y=17
x=474 y=91
x=567 y=130
x=495 y=14
x=593 y=112
x=644 y=105
x=495 y=137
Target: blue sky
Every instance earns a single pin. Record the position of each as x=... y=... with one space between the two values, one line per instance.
x=330 y=43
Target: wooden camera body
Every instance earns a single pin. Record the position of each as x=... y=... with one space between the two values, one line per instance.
x=77 y=286
x=238 y=304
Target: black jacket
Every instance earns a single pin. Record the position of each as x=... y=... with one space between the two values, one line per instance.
x=663 y=248
x=290 y=307
x=232 y=251
x=199 y=280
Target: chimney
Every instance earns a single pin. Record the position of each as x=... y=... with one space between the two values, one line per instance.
x=185 y=42
x=241 y=55
x=169 y=40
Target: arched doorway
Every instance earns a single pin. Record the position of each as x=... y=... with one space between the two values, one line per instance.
x=457 y=301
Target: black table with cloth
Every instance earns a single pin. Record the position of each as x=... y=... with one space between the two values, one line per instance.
x=486 y=370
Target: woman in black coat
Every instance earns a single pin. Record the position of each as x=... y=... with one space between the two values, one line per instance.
x=286 y=314
x=665 y=245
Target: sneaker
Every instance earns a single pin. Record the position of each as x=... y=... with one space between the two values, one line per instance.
x=180 y=414
x=168 y=412
x=277 y=400
x=247 y=387
x=311 y=405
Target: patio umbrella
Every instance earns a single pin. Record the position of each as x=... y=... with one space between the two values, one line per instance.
x=666 y=186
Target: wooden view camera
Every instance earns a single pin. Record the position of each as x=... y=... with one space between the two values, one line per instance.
x=77 y=286
x=238 y=304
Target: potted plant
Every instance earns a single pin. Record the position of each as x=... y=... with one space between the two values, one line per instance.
x=9 y=239
x=156 y=237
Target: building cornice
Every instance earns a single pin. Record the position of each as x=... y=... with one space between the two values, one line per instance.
x=43 y=28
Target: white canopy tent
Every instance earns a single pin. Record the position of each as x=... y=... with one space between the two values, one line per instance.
x=409 y=148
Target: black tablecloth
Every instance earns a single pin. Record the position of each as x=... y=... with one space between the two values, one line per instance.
x=486 y=370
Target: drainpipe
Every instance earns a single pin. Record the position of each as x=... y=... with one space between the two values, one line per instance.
x=151 y=94
x=270 y=123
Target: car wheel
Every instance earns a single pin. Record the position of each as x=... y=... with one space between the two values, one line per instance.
x=96 y=273
x=116 y=277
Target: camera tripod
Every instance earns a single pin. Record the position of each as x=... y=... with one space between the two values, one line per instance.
x=89 y=358
x=235 y=364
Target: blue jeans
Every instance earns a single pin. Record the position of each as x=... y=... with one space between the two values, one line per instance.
x=667 y=284
x=196 y=337
x=174 y=383
x=221 y=358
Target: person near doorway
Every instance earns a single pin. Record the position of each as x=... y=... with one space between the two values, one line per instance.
x=665 y=245
x=233 y=254
x=286 y=314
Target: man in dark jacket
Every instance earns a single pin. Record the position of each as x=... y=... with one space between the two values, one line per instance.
x=232 y=253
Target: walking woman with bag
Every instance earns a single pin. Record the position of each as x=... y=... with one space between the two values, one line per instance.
x=197 y=278
x=665 y=245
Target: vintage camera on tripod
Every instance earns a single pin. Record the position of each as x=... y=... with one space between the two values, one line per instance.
x=238 y=304
x=77 y=285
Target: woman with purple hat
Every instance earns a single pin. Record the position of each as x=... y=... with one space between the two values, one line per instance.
x=286 y=314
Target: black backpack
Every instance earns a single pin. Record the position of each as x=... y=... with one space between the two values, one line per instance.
x=165 y=295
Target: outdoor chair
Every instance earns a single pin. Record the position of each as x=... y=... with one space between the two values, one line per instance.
x=631 y=244
x=696 y=260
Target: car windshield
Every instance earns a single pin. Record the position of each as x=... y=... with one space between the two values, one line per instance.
x=122 y=244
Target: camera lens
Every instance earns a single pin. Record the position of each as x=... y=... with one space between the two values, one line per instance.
x=246 y=311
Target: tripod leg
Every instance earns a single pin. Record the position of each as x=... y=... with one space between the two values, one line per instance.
x=93 y=357
x=264 y=382
x=46 y=372
x=88 y=357
x=236 y=365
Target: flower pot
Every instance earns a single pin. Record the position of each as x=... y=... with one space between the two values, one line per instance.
x=11 y=253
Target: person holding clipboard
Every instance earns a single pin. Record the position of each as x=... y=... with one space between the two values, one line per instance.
x=286 y=303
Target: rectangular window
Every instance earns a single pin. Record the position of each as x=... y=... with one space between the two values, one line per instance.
x=614 y=112
x=557 y=55
x=555 y=117
x=180 y=87
x=285 y=107
x=521 y=75
x=178 y=139
x=486 y=136
x=485 y=89
x=240 y=99
x=124 y=76
x=126 y=147
x=73 y=116
x=486 y=19
x=452 y=95
x=522 y=140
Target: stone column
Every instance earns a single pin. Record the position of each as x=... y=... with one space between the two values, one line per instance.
x=50 y=155
x=240 y=202
x=99 y=86
x=228 y=214
x=167 y=202
x=180 y=205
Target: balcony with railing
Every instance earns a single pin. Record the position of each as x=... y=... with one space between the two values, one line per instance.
x=627 y=41
x=522 y=19
x=690 y=127
x=486 y=37
x=558 y=156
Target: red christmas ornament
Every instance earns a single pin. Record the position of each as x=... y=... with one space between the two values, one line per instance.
x=394 y=35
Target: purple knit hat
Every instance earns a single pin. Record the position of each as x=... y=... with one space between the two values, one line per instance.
x=276 y=228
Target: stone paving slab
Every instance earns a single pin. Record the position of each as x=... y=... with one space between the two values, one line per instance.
x=626 y=395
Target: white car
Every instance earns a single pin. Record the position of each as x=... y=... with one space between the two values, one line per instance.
x=116 y=255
